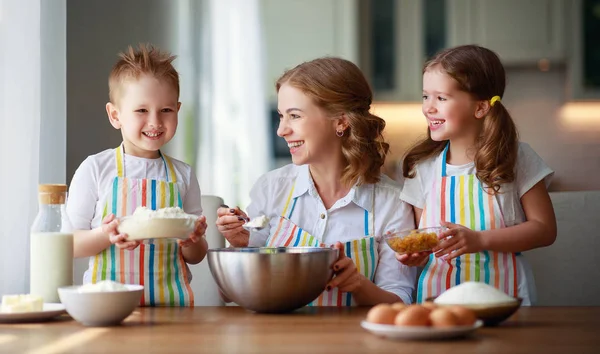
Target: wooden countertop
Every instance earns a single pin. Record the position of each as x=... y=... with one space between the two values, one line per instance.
x=570 y=330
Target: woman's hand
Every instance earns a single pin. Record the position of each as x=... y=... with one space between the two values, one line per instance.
x=110 y=227
x=458 y=240
x=196 y=235
x=414 y=259
x=229 y=224
x=347 y=279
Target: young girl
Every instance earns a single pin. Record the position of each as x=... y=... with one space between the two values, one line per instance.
x=473 y=176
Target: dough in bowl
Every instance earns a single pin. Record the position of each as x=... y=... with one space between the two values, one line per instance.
x=162 y=223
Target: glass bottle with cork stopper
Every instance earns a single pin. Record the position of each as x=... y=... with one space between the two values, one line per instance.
x=51 y=244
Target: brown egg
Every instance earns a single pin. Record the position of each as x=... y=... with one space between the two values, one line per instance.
x=429 y=305
x=382 y=313
x=413 y=315
x=464 y=316
x=399 y=306
x=443 y=317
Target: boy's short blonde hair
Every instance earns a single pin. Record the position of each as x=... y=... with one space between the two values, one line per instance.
x=145 y=60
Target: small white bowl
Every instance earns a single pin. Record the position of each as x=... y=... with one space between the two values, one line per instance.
x=100 y=308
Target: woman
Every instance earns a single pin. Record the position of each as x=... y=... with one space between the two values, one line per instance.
x=334 y=192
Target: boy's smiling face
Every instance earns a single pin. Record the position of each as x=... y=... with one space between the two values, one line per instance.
x=146 y=113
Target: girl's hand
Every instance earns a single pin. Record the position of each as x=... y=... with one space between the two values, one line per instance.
x=229 y=224
x=414 y=259
x=458 y=240
x=196 y=235
x=110 y=227
x=347 y=279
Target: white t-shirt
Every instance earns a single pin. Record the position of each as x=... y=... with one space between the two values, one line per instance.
x=530 y=169
x=93 y=180
x=344 y=221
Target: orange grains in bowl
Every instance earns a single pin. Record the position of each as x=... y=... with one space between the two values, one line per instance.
x=414 y=242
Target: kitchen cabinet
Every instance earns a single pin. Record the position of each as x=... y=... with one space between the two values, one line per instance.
x=301 y=30
x=521 y=32
x=584 y=52
x=392 y=47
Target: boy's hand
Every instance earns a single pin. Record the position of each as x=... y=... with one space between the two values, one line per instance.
x=110 y=227
x=199 y=231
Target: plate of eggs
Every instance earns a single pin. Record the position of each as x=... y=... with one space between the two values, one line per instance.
x=426 y=321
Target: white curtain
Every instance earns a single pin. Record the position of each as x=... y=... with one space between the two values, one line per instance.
x=234 y=145
x=32 y=123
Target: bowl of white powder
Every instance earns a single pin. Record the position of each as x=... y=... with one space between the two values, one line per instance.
x=490 y=305
x=106 y=303
x=146 y=223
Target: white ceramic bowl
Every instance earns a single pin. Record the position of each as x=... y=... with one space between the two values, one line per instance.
x=100 y=308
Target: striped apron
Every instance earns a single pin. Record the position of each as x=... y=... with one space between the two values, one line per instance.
x=362 y=251
x=157 y=264
x=463 y=200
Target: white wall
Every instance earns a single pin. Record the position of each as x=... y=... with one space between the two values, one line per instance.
x=32 y=123
x=53 y=128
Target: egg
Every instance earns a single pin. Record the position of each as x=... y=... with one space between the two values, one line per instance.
x=443 y=317
x=429 y=305
x=413 y=315
x=464 y=316
x=382 y=313
x=399 y=306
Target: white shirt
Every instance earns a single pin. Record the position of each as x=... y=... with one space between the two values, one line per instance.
x=344 y=221
x=94 y=177
x=530 y=169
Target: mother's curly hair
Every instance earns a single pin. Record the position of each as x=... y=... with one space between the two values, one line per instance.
x=339 y=87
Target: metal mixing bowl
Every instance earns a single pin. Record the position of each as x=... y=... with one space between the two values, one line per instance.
x=272 y=280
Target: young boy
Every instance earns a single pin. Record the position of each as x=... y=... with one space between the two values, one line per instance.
x=144 y=102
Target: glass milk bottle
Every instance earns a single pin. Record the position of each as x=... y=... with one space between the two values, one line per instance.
x=51 y=244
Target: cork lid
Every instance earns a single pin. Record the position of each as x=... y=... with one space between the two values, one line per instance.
x=52 y=193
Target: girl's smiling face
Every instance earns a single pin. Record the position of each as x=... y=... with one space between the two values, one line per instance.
x=450 y=112
x=307 y=129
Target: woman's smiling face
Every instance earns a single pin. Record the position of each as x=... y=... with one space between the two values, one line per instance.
x=307 y=129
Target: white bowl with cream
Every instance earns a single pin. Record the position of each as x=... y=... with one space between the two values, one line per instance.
x=105 y=303
x=145 y=223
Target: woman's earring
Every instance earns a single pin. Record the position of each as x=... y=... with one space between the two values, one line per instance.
x=339 y=133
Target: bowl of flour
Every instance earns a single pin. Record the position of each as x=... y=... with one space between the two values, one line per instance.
x=145 y=224
x=490 y=305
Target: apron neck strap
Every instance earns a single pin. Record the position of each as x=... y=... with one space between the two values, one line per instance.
x=287 y=203
x=120 y=161
x=444 y=153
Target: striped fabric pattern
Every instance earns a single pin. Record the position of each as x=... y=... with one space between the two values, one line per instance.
x=156 y=264
x=362 y=251
x=463 y=200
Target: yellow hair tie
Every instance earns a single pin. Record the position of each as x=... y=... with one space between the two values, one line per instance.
x=493 y=100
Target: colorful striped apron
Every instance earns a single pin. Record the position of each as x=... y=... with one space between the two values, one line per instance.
x=362 y=251
x=157 y=264
x=463 y=200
